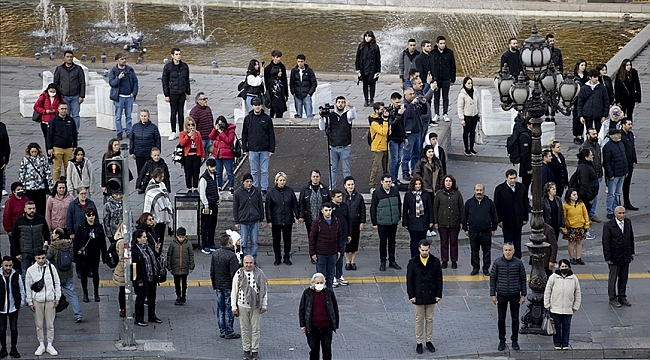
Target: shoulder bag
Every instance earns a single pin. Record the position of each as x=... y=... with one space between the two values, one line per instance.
x=63 y=302
x=236 y=147
x=40 y=284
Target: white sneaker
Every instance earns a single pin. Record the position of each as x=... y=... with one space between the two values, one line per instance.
x=446 y=118
x=51 y=350
x=335 y=283
x=436 y=118
x=4 y=193
x=172 y=136
x=342 y=281
x=590 y=236
x=40 y=350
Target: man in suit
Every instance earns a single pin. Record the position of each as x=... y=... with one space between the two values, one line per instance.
x=618 y=249
x=511 y=202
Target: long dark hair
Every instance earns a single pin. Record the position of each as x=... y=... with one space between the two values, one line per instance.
x=423 y=153
x=110 y=153
x=620 y=73
x=53 y=86
x=63 y=181
x=373 y=42
x=577 y=66
x=567 y=196
x=251 y=67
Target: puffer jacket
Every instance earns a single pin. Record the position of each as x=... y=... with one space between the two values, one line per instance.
x=28 y=236
x=180 y=258
x=468 y=105
x=508 y=277
x=176 y=79
x=281 y=206
x=357 y=206
x=75 y=180
x=14 y=208
x=35 y=173
x=223 y=266
x=53 y=253
x=385 y=208
x=448 y=208
x=562 y=294
x=52 y=289
x=56 y=210
x=307 y=306
x=594 y=102
x=44 y=103
x=379 y=131
x=145 y=174
x=143 y=138
x=223 y=142
x=424 y=283
x=615 y=159
x=324 y=238
x=202 y=115
x=118 y=272
x=306 y=86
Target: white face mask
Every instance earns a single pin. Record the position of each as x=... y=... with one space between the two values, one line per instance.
x=52 y=94
x=319 y=287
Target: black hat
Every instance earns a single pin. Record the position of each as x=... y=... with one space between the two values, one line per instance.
x=614 y=131
x=247 y=176
x=256 y=101
x=181 y=231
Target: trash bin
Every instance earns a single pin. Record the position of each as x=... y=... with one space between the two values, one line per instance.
x=187 y=213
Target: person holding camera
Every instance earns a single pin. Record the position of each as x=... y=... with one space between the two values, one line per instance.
x=338 y=126
x=397 y=138
x=193 y=153
x=124 y=89
x=223 y=136
x=379 y=132
x=89 y=243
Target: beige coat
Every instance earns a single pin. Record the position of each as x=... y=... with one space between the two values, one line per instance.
x=468 y=106
x=118 y=272
x=562 y=295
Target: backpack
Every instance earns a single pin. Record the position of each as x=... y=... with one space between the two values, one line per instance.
x=113 y=257
x=513 y=145
x=64 y=260
x=242 y=87
x=574 y=181
x=177 y=155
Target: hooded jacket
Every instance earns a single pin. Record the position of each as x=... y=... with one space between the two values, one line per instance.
x=56 y=210
x=51 y=290
x=180 y=258
x=53 y=253
x=44 y=103
x=593 y=102
x=85 y=179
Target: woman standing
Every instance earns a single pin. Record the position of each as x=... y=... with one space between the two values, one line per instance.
x=429 y=168
x=281 y=213
x=580 y=75
x=357 y=206
x=278 y=91
x=146 y=271
x=448 y=206
x=193 y=152
x=158 y=203
x=562 y=297
x=627 y=88
x=56 y=207
x=319 y=317
x=368 y=66
x=468 y=112
x=47 y=105
x=558 y=168
x=89 y=244
x=118 y=272
x=35 y=174
x=144 y=137
x=587 y=178
x=146 y=223
x=553 y=209
x=606 y=81
x=223 y=136
x=576 y=219
x=77 y=210
x=254 y=83
x=80 y=172
x=144 y=175
x=417 y=215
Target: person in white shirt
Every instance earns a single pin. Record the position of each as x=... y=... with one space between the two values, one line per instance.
x=249 y=301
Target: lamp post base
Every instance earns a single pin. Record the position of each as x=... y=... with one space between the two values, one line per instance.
x=532 y=319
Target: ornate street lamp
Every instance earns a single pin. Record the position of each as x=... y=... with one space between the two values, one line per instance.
x=549 y=89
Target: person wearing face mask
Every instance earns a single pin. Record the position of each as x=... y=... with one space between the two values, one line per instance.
x=14 y=209
x=80 y=172
x=57 y=206
x=144 y=175
x=47 y=105
x=319 y=317
x=562 y=298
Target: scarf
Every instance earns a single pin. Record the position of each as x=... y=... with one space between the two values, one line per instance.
x=253 y=293
x=469 y=92
x=419 y=205
x=315 y=201
x=150 y=265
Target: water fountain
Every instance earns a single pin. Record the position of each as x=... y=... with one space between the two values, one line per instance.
x=43 y=9
x=194 y=17
x=60 y=28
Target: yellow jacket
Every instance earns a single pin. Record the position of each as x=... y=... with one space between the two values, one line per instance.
x=379 y=134
x=576 y=216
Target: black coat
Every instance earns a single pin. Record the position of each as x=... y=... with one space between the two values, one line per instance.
x=408 y=212
x=304 y=208
x=508 y=277
x=223 y=266
x=628 y=90
x=306 y=308
x=514 y=63
x=445 y=64
x=615 y=159
x=546 y=206
x=95 y=247
x=593 y=103
x=145 y=174
x=357 y=206
x=609 y=85
x=140 y=271
x=307 y=86
x=512 y=207
x=426 y=64
x=369 y=65
x=547 y=174
x=630 y=150
x=268 y=80
x=525 y=145
x=559 y=170
x=258 y=133
x=281 y=206
x=61 y=133
x=247 y=206
x=588 y=181
x=618 y=247
x=342 y=212
x=176 y=79
x=424 y=283
x=480 y=217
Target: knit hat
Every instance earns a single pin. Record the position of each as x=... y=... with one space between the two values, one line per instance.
x=247 y=176
x=233 y=235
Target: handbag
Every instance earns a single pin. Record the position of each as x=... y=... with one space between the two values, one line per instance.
x=36 y=116
x=236 y=147
x=162 y=271
x=548 y=324
x=40 y=284
x=82 y=251
x=178 y=154
x=63 y=302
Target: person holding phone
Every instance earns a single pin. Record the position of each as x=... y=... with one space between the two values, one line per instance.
x=209 y=194
x=193 y=152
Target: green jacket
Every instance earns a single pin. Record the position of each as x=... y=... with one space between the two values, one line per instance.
x=180 y=258
x=53 y=252
x=385 y=207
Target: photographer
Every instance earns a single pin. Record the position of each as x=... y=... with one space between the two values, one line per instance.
x=379 y=131
x=397 y=137
x=338 y=126
x=223 y=135
x=124 y=89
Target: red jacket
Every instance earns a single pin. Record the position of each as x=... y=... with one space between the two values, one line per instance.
x=14 y=208
x=223 y=142
x=186 y=143
x=44 y=103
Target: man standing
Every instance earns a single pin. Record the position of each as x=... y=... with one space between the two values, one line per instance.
x=397 y=137
x=616 y=169
x=71 y=80
x=61 y=140
x=480 y=221
x=385 y=213
x=379 y=132
x=423 y=91
x=202 y=115
x=249 y=302
x=312 y=197
x=61 y=254
x=618 y=250
x=176 y=87
x=426 y=65
x=593 y=145
x=414 y=108
x=512 y=209
x=325 y=245
x=248 y=212
x=276 y=61
x=29 y=233
x=627 y=138
x=223 y=267
x=209 y=194
x=124 y=89
x=445 y=75
x=43 y=303
x=13 y=290
x=508 y=287
x=258 y=139
x=512 y=58
x=593 y=102
x=341 y=211
x=303 y=86
x=338 y=126
x=407 y=61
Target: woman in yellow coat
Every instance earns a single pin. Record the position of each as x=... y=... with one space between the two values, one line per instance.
x=576 y=221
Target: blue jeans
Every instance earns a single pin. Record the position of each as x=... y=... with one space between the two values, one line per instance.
x=228 y=164
x=125 y=104
x=396 y=151
x=206 y=145
x=325 y=264
x=259 y=161
x=73 y=109
x=342 y=154
x=67 y=285
x=614 y=190
x=249 y=106
x=225 y=317
x=306 y=103
x=562 y=329
x=339 y=262
x=411 y=153
x=592 y=211
x=250 y=232
x=26 y=261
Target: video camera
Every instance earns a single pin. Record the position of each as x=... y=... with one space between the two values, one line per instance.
x=325 y=109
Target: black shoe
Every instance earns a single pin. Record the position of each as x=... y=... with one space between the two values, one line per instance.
x=232 y=190
x=287 y=261
x=454 y=265
x=467 y=153
x=140 y=323
x=366 y=103
x=85 y=298
x=502 y=345
x=155 y=320
x=473 y=152
x=232 y=336
x=119 y=136
x=382 y=267
x=630 y=207
x=486 y=272
x=582 y=140
x=572 y=261
x=14 y=353
x=97 y=299
x=579 y=261
x=406 y=177
x=474 y=272
x=183 y=300
x=624 y=302
x=515 y=346
x=394 y=265
x=430 y=347
x=576 y=141
x=178 y=301
x=615 y=303
x=610 y=216
x=277 y=262
x=3 y=353
x=353 y=266
x=348 y=266
x=444 y=264
x=418 y=349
